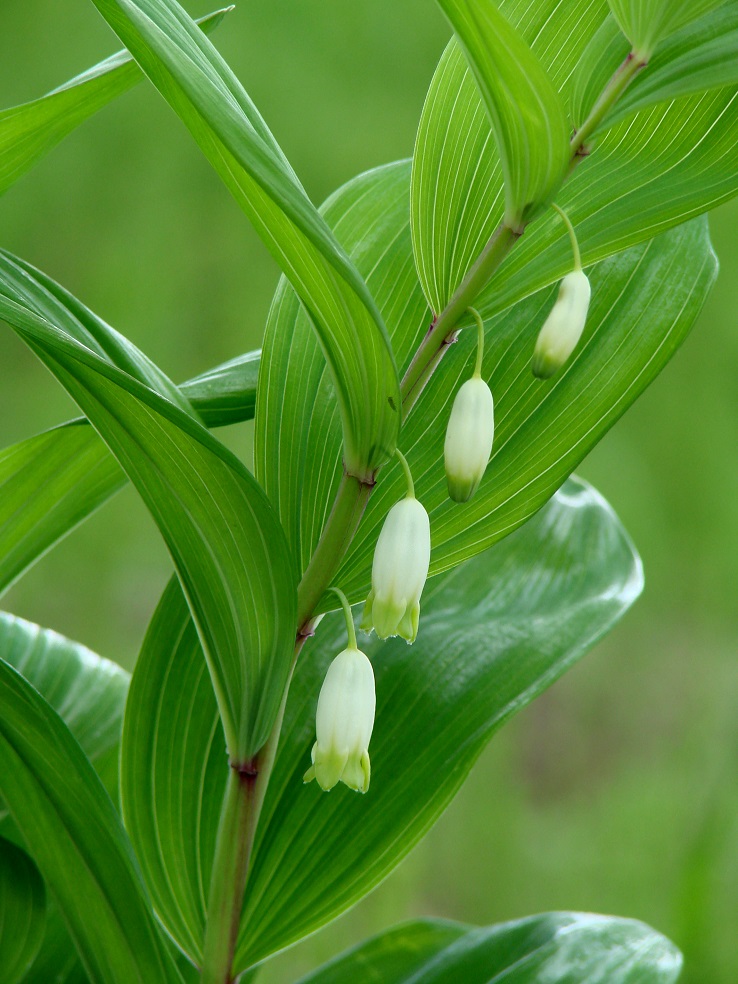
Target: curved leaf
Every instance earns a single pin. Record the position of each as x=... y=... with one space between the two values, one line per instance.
x=77 y=840
x=644 y=303
x=206 y=95
x=29 y=131
x=86 y=691
x=22 y=912
x=647 y=174
x=225 y=394
x=527 y=115
x=558 y=948
x=514 y=619
x=227 y=546
x=647 y=22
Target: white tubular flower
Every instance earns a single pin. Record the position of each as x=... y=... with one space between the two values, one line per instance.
x=470 y=432
x=399 y=570
x=564 y=325
x=344 y=723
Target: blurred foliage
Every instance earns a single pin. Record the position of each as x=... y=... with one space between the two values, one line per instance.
x=615 y=791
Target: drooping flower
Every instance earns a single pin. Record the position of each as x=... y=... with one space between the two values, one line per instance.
x=344 y=723
x=470 y=431
x=399 y=570
x=563 y=327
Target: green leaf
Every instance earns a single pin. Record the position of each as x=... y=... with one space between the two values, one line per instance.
x=206 y=95
x=48 y=485
x=558 y=947
x=22 y=912
x=173 y=770
x=644 y=303
x=225 y=394
x=86 y=691
x=77 y=840
x=647 y=22
x=647 y=174
x=227 y=545
x=514 y=619
x=29 y=131
x=528 y=118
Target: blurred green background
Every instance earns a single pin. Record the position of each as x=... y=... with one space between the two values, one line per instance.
x=616 y=792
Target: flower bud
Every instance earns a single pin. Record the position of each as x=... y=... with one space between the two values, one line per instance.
x=344 y=723
x=564 y=325
x=469 y=437
x=399 y=571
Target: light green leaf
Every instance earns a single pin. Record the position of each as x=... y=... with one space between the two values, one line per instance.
x=647 y=22
x=29 y=131
x=527 y=115
x=206 y=95
x=514 y=619
x=227 y=546
x=647 y=174
x=22 y=912
x=77 y=840
x=644 y=303
x=557 y=947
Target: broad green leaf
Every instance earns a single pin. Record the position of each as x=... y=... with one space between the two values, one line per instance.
x=647 y=22
x=557 y=947
x=645 y=175
x=22 y=912
x=227 y=546
x=644 y=303
x=86 y=691
x=57 y=960
x=203 y=91
x=173 y=770
x=48 y=485
x=29 y=131
x=514 y=619
x=528 y=118
x=77 y=840
x=225 y=394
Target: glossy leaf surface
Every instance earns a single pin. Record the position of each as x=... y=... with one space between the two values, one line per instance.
x=527 y=116
x=227 y=546
x=206 y=95
x=77 y=840
x=643 y=304
x=557 y=947
x=514 y=618
x=29 y=131
x=22 y=912
x=86 y=691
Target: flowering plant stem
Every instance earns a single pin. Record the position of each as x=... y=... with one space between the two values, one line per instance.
x=247 y=782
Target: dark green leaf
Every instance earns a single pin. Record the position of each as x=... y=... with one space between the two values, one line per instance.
x=22 y=912
x=227 y=393
x=227 y=546
x=206 y=95
x=558 y=948
x=513 y=619
x=644 y=303
x=29 y=131
x=527 y=116
x=77 y=840
x=86 y=691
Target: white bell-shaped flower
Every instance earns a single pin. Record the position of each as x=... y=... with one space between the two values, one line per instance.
x=564 y=326
x=469 y=437
x=399 y=570
x=344 y=723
